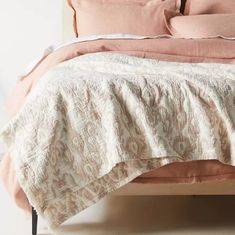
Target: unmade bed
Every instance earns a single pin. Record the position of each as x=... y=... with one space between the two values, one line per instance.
x=119 y=113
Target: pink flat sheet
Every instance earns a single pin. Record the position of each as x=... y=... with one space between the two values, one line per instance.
x=189 y=172
x=167 y=49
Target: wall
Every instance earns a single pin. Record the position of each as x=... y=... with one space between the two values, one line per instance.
x=27 y=27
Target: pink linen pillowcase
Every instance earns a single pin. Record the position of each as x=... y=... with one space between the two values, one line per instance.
x=140 y=17
x=197 y=7
x=201 y=26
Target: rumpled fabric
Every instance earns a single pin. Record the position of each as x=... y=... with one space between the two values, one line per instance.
x=96 y=122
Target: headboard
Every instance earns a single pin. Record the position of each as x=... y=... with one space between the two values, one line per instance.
x=67 y=23
x=183 y=2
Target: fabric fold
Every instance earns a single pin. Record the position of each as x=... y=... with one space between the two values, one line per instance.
x=108 y=118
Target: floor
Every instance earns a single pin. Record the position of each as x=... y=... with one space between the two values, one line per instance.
x=180 y=215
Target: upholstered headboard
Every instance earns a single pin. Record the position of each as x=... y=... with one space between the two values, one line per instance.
x=68 y=32
x=183 y=2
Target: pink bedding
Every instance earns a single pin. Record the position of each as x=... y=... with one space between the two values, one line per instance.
x=189 y=172
x=198 y=7
x=201 y=26
x=144 y=17
x=166 y=49
x=180 y=50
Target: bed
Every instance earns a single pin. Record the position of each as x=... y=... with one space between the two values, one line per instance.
x=143 y=186
x=213 y=176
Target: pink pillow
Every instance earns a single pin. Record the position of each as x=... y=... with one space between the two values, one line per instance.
x=201 y=26
x=197 y=7
x=141 y=17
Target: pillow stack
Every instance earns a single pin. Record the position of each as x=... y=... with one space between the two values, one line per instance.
x=198 y=7
x=139 y=17
x=203 y=19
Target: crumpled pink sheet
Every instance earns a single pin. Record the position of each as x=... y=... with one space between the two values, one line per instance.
x=166 y=49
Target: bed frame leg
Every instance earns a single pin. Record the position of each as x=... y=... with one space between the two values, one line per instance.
x=34 y=222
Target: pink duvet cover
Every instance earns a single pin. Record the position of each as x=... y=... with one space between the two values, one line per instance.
x=167 y=49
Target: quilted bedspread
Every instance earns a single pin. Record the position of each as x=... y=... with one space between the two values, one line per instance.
x=96 y=122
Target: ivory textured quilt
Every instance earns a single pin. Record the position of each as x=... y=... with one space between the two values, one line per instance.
x=94 y=123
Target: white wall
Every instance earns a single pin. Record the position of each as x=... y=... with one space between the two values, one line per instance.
x=26 y=28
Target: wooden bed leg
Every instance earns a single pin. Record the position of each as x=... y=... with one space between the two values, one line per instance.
x=34 y=222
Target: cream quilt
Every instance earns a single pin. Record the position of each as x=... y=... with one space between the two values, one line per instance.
x=96 y=122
